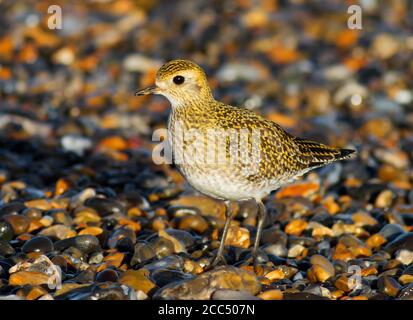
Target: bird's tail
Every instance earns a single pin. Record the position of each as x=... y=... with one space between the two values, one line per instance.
x=316 y=154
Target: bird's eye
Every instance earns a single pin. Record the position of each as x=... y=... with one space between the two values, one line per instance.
x=178 y=79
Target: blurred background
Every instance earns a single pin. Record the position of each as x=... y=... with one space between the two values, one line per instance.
x=70 y=123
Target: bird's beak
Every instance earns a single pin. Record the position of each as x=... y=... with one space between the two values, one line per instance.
x=149 y=90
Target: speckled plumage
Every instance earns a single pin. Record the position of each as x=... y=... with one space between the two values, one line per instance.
x=282 y=157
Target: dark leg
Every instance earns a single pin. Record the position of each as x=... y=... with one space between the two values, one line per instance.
x=261 y=218
x=228 y=214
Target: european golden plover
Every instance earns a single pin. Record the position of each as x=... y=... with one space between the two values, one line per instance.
x=263 y=159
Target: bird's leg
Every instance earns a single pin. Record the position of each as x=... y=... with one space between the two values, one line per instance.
x=261 y=213
x=228 y=215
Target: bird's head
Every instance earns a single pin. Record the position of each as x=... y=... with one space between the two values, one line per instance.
x=180 y=81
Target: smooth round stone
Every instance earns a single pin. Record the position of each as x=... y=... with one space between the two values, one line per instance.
x=85 y=243
x=321 y=270
x=143 y=252
x=107 y=275
x=388 y=286
x=193 y=222
x=6 y=231
x=169 y=262
x=38 y=244
x=95 y=292
x=119 y=234
x=404 y=241
x=105 y=207
x=12 y=208
x=20 y=223
x=204 y=285
x=183 y=236
x=163 y=247
x=163 y=277
x=391 y=231
x=135 y=199
x=405 y=256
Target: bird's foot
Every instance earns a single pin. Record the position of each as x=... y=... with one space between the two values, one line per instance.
x=218 y=260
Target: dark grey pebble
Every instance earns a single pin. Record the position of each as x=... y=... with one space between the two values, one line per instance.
x=38 y=244
x=171 y=262
x=163 y=277
x=105 y=207
x=120 y=234
x=85 y=243
x=143 y=252
x=183 y=236
x=11 y=208
x=95 y=292
x=6 y=231
x=107 y=275
x=391 y=231
x=404 y=241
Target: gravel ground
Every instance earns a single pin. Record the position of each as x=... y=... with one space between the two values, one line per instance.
x=86 y=214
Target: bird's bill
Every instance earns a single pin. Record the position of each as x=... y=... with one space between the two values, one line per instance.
x=149 y=90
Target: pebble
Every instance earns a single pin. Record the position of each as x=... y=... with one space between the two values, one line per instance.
x=105 y=207
x=38 y=244
x=404 y=241
x=193 y=222
x=58 y=231
x=389 y=286
x=162 y=277
x=6 y=231
x=19 y=223
x=271 y=295
x=405 y=256
x=321 y=269
x=107 y=275
x=11 y=208
x=85 y=243
x=138 y=280
x=203 y=286
x=238 y=237
x=391 y=231
x=32 y=278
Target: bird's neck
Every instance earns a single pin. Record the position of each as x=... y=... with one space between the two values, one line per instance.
x=195 y=106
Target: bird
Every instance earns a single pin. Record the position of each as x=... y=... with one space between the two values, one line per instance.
x=268 y=158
